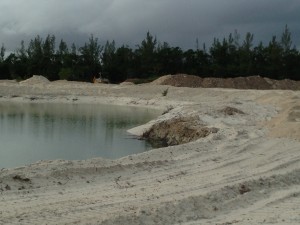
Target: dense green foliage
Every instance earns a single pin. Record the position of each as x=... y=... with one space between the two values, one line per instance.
x=229 y=57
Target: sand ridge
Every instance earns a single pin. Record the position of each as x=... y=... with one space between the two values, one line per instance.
x=242 y=174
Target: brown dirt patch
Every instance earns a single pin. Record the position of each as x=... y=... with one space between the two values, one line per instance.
x=230 y=111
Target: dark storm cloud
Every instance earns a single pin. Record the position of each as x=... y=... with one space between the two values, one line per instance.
x=127 y=21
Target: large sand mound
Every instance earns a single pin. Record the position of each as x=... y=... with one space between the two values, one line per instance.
x=36 y=79
x=251 y=82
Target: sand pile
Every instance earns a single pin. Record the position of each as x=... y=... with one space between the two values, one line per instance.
x=251 y=82
x=177 y=131
x=36 y=79
x=127 y=83
x=162 y=79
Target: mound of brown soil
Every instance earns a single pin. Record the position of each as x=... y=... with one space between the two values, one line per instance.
x=252 y=82
x=178 y=131
x=180 y=80
x=230 y=111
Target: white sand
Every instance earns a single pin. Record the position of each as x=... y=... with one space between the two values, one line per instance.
x=247 y=173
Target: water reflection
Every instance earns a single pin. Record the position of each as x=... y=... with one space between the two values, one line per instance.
x=31 y=132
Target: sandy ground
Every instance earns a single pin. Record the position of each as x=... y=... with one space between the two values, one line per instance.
x=246 y=173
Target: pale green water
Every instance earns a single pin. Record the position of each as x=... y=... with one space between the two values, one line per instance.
x=32 y=132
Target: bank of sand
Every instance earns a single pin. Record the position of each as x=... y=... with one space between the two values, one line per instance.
x=246 y=173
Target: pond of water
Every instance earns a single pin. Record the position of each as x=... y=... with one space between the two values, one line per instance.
x=36 y=131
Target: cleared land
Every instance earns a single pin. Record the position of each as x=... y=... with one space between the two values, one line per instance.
x=247 y=171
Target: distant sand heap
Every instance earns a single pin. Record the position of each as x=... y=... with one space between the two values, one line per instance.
x=36 y=79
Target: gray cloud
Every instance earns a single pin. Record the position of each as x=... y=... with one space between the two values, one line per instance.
x=127 y=21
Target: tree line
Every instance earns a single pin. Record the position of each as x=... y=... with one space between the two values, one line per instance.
x=227 y=57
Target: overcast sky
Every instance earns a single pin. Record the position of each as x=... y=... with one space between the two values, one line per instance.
x=178 y=22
